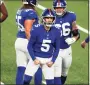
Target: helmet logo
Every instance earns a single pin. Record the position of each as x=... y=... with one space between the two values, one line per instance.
x=50 y=12
x=58 y=3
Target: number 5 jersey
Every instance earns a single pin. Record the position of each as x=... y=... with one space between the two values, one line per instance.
x=44 y=44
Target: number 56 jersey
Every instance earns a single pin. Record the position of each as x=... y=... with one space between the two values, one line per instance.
x=21 y=16
x=64 y=23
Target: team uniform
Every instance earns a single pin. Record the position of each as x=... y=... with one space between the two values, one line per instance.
x=65 y=53
x=64 y=21
x=44 y=46
x=21 y=42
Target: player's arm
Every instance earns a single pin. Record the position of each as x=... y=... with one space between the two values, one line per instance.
x=84 y=43
x=55 y=54
x=4 y=12
x=75 y=33
x=28 y=26
x=29 y=20
x=32 y=40
x=56 y=50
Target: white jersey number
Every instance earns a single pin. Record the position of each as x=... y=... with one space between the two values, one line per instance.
x=65 y=31
x=45 y=46
x=20 y=27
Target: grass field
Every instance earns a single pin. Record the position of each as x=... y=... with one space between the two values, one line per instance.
x=78 y=73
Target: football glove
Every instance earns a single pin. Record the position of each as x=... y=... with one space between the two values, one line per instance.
x=70 y=41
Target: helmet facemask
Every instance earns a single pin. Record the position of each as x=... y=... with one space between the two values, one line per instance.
x=48 y=21
x=60 y=11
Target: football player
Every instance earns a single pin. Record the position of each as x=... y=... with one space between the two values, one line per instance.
x=3 y=11
x=26 y=17
x=43 y=47
x=84 y=43
x=66 y=21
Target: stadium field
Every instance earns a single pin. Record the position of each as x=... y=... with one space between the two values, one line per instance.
x=78 y=73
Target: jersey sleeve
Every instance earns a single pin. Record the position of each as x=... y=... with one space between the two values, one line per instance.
x=73 y=17
x=87 y=39
x=31 y=44
x=56 y=46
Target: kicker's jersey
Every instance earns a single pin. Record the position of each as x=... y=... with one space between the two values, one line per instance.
x=21 y=16
x=65 y=23
x=44 y=44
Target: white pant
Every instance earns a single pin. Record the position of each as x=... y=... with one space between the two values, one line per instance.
x=63 y=62
x=48 y=72
x=22 y=54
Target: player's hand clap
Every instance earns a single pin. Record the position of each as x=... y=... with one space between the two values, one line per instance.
x=49 y=64
x=36 y=62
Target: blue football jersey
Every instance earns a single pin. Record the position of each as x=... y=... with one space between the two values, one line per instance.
x=87 y=40
x=21 y=16
x=64 y=23
x=44 y=43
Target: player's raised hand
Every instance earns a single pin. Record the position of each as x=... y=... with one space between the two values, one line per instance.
x=36 y=62
x=49 y=64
